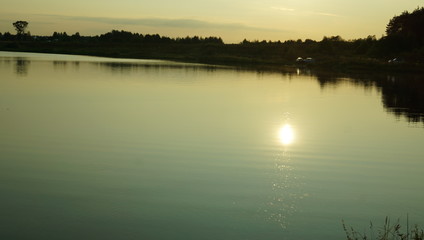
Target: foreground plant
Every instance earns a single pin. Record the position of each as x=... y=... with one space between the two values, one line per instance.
x=387 y=232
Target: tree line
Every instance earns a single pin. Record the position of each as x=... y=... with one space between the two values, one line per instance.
x=404 y=40
x=114 y=36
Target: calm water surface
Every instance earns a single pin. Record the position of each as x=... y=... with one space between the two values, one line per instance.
x=96 y=148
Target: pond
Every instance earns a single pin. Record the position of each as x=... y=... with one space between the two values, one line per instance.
x=100 y=148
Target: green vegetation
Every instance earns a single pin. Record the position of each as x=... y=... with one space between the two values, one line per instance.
x=387 y=232
x=402 y=49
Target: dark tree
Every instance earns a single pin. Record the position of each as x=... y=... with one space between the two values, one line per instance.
x=408 y=26
x=20 y=27
x=7 y=36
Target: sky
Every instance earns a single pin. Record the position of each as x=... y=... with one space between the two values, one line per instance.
x=232 y=20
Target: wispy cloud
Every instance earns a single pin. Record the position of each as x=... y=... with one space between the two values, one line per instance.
x=325 y=14
x=283 y=9
x=303 y=13
x=164 y=22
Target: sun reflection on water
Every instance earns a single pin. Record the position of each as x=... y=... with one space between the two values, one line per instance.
x=286 y=134
x=286 y=183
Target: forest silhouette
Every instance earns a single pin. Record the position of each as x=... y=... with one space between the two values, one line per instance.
x=401 y=49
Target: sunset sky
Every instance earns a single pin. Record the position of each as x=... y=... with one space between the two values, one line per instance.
x=233 y=20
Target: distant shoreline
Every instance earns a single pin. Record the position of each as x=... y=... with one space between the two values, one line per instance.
x=400 y=51
x=253 y=56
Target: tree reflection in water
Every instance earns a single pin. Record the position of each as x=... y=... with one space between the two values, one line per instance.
x=21 y=66
x=402 y=95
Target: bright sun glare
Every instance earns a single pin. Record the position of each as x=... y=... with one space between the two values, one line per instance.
x=286 y=134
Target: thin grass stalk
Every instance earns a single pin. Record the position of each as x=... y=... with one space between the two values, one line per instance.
x=387 y=232
x=407 y=226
